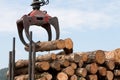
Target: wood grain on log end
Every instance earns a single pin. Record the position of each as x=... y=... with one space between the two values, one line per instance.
x=73 y=65
x=81 y=72
x=62 y=76
x=74 y=77
x=110 y=64
x=100 y=56
x=102 y=71
x=92 y=77
x=69 y=71
x=84 y=57
x=109 y=75
x=92 y=68
x=68 y=43
x=55 y=65
x=42 y=66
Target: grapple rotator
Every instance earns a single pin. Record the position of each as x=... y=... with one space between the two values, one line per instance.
x=38 y=18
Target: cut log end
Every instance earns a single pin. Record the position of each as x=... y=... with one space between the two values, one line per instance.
x=69 y=71
x=109 y=75
x=110 y=64
x=68 y=43
x=92 y=77
x=81 y=72
x=56 y=65
x=42 y=66
x=74 y=77
x=102 y=71
x=62 y=76
x=84 y=57
x=100 y=57
x=73 y=65
x=92 y=68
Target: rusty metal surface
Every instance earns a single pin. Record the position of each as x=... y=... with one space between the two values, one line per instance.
x=32 y=55
x=30 y=58
x=33 y=62
x=12 y=62
x=31 y=67
x=10 y=66
x=38 y=18
x=13 y=59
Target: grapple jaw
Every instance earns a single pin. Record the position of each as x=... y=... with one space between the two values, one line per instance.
x=54 y=22
x=37 y=18
x=20 y=31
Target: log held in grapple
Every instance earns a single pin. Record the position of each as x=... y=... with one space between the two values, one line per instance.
x=66 y=45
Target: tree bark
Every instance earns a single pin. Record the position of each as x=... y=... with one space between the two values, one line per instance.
x=44 y=76
x=66 y=44
x=66 y=57
x=21 y=77
x=21 y=63
x=46 y=57
x=80 y=64
x=22 y=71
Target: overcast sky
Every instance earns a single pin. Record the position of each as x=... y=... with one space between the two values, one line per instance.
x=91 y=24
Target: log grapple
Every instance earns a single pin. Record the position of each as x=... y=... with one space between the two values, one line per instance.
x=38 y=18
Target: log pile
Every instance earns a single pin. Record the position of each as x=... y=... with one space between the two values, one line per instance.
x=94 y=65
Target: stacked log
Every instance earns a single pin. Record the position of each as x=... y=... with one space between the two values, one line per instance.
x=94 y=65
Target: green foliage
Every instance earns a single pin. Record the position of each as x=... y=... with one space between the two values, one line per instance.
x=3 y=74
